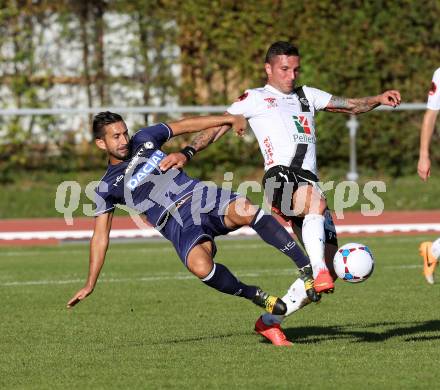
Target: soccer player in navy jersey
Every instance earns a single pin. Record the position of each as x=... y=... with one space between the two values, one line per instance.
x=187 y=211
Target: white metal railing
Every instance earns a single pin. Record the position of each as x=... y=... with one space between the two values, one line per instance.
x=352 y=124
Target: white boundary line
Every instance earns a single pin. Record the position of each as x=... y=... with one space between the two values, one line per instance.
x=172 y=276
x=57 y=251
x=244 y=231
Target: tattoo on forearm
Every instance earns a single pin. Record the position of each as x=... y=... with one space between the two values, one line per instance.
x=352 y=106
x=364 y=104
x=338 y=102
x=203 y=139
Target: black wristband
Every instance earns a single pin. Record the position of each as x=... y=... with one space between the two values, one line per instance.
x=188 y=152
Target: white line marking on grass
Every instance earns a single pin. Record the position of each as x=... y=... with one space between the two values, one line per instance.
x=173 y=276
x=408 y=266
x=152 y=278
x=122 y=250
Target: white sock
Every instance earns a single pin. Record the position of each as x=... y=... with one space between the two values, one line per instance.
x=313 y=236
x=436 y=248
x=295 y=299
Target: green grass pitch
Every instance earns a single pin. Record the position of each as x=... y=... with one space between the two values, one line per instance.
x=150 y=324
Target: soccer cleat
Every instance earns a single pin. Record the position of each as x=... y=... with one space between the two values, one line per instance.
x=270 y=303
x=324 y=282
x=306 y=275
x=429 y=261
x=273 y=333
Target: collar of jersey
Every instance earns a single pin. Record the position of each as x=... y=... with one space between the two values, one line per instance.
x=278 y=92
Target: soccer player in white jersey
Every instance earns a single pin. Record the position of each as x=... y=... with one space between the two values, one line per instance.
x=282 y=118
x=430 y=251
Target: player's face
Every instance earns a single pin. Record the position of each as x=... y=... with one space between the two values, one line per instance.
x=115 y=142
x=282 y=72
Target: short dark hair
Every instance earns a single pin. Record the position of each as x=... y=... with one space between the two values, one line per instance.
x=103 y=119
x=280 y=48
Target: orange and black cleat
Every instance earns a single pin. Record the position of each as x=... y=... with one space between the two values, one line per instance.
x=273 y=333
x=429 y=261
x=324 y=282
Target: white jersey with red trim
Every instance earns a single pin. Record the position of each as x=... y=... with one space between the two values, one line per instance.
x=284 y=130
x=434 y=92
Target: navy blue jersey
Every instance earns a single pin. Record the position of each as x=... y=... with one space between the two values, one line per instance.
x=139 y=183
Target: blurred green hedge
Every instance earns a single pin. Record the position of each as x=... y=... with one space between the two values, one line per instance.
x=349 y=48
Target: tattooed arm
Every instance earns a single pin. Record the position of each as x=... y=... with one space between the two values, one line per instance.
x=365 y=104
x=200 y=142
x=203 y=139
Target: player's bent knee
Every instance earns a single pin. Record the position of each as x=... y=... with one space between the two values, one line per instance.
x=307 y=200
x=200 y=267
x=240 y=212
x=199 y=261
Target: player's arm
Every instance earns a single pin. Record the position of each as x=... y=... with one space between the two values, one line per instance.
x=364 y=104
x=201 y=141
x=199 y=123
x=98 y=249
x=424 y=164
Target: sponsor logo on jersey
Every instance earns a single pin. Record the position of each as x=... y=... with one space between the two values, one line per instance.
x=268 y=151
x=133 y=162
x=304 y=139
x=242 y=97
x=302 y=124
x=271 y=102
x=149 y=166
x=433 y=89
x=304 y=102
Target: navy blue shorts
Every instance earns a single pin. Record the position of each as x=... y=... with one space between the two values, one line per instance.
x=199 y=218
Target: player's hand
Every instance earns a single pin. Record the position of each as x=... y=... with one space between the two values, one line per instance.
x=390 y=98
x=239 y=125
x=79 y=296
x=173 y=160
x=424 y=168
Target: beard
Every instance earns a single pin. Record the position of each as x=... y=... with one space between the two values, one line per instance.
x=121 y=154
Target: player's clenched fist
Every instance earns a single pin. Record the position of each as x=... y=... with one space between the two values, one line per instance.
x=424 y=168
x=173 y=160
x=239 y=125
x=390 y=98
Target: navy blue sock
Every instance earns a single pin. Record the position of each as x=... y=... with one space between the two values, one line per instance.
x=224 y=281
x=272 y=232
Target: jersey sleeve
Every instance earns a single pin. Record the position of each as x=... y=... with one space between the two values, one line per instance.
x=157 y=134
x=244 y=105
x=434 y=92
x=104 y=201
x=318 y=98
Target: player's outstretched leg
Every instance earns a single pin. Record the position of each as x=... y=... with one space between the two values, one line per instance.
x=430 y=252
x=314 y=241
x=309 y=202
x=218 y=276
x=269 y=326
x=242 y=212
x=271 y=231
